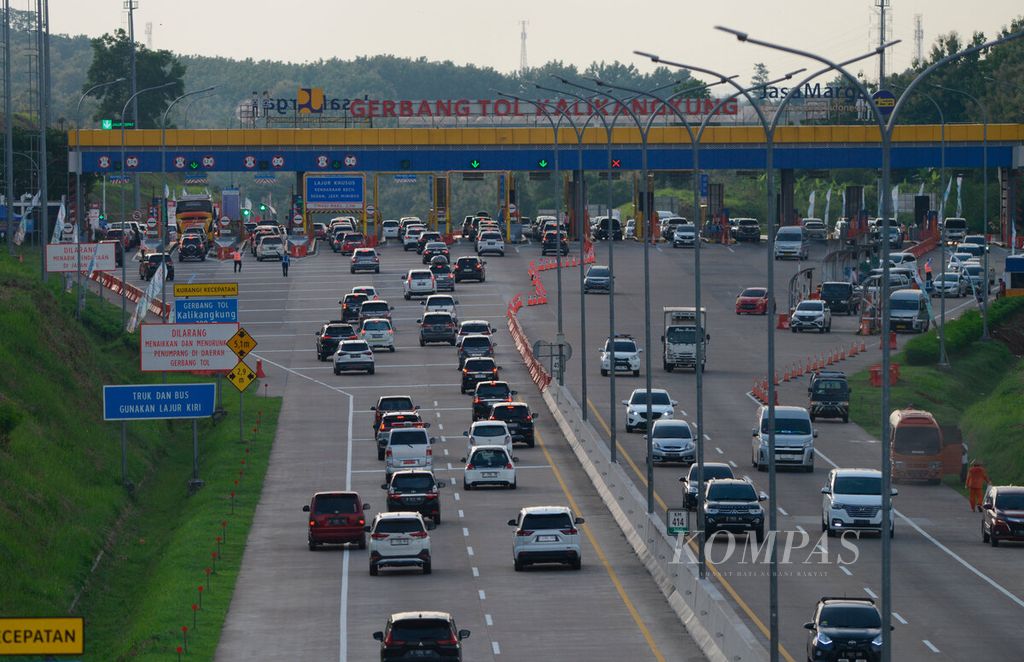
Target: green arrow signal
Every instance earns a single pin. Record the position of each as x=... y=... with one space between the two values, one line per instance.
x=474 y=164
x=193 y=164
x=543 y=163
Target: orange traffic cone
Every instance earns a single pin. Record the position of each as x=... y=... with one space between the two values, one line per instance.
x=259 y=369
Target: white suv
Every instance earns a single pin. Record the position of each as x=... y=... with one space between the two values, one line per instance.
x=490 y=242
x=270 y=247
x=662 y=406
x=627 y=356
x=853 y=501
x=489 y=465
x=489 y=433
x=411 y=237
x=811 y=314
x=378 y=332
x=419 y=283
x=399 y=540
x=546 y=534
x=353 y=355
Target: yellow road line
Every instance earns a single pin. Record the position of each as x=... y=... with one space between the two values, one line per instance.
x=714 y=570
x=601 y=555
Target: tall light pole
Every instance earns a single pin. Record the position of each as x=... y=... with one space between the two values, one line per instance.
x=8 y=130
x=188 y=107
x=79 y=216
x=131 y=6
x=43 y=43
x=885 y=126
x=984 y=169
x=124 y=262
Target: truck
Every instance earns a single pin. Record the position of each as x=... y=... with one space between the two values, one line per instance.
x=196 y=210
x=679 y=346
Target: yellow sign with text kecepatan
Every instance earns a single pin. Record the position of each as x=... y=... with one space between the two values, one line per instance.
x=42 y=636
x=182 y=290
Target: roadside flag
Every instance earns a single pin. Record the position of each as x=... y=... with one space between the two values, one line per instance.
x=959 y=199
x=155 y=285
x=58 y=227
x=810 y=205
x=828 y=204
x=942 y=204
x=896 y=202
x=92 y=266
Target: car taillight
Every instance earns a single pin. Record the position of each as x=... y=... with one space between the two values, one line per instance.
x=312 y=522
x=430 y=496
x=430 y=451
x=418 y=534
x=570 y=532
x=450 y=641
x=524 y=532
x=465 y=371
x=470 y=467
x=388 y=453
x=362 y=521
x=476 y=401
x=324 y=337
x=529 y=418
x=509 y=466
x=379 y=536
x=478 y=267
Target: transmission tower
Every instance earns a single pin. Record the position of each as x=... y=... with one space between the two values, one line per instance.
x=881 y=32
x=918 y=38
x=522 y=48
x=149 y=35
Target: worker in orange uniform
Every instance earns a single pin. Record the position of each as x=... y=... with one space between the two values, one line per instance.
x=237 y=257
x=977 y=478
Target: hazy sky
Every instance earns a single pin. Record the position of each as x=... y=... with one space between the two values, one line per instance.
x=487 y=33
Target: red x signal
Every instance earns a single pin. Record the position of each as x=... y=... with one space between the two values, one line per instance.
x=616 y=163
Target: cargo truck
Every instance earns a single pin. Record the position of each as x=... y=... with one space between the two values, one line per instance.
x=679 y=344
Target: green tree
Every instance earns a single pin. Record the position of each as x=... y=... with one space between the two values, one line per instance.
x=761 y=75
x=111 y=59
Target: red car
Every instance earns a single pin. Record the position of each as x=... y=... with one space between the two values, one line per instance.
x=336 y=518
x=752 y=301
x=320 y=230
x=351 y=242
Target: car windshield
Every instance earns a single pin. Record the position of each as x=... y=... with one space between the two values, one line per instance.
x=682 y=335
x=435 y=246
x=365 y=252
x=335 y=504
x=675 y=430
x=420 y=275
x=424 y=629
x=354 y=236
x=407 y=525
x=789 y=234
x=786 y=425
x=376 y=325
x=492 y=390
x=949 y=278
x=845 y=616
x=684 y=228
x=1011 y=501
x=155 y=258
x=355 y=298
x=956 y=224
x=440 y=302
x=375 y=307
x=710 y=472
x=437 y=318
x=916 y=440
x=535 y=521
x=269 y=241
x=475 y=342
x=625 y=346
x=479 y=365
x=489 y=431
x=413 y=482
x=338 y=331
x=903 y=304
x=409 y=437
x=599 y=272
x=466 y=262
x=756 y=292
x=810 y=306
x=835 y=290
x=640 y=397
x=860 y=485
x=490 y=236
x=395 y=404
x=731 y=492
x=354 y=347
x=748 y=222
x=831 y=386
x=510 y=413
x=474 y=327
x=489 y=457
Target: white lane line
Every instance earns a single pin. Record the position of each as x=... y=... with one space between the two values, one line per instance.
x=927 y=536
x=930 y=646
x=752 y=398
x=469 y=550
x=846 y=570
x=456 y=495
x=871 y=594
x=440 y=426
x=465 y=531
x=446 y=451
x=438 y=414
x=732 y=464
x=495 y=648
x=801 y=529
x=783 y=511
x=461 y=514
x=343 y=611
x=435 y=403
x=488 y=619
x=719 y=450
x=476 y=571
x=707 y=438
x=683 y=413
x=899 y=618
x=483 y=596
x=449 y=466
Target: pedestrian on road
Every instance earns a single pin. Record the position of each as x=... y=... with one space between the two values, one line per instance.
x=237 y=256
x=977 y=478
x=928 y=273
x=285 y=260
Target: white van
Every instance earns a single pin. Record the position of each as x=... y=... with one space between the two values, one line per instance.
x=790 y=243
x=794 y=438
x=908 y=309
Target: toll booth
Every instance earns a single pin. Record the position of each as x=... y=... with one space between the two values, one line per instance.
x=1014 y=275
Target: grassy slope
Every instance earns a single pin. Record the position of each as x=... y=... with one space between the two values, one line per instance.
x=60 y=479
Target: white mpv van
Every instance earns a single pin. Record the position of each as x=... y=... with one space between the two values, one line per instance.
x=794 y=438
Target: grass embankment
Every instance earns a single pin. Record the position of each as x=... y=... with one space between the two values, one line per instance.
x=63 y=505
x=981 y=393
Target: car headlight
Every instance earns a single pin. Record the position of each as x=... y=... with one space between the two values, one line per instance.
x=710 y=511
x=934 y=465
x=838 y=506
x=877 y=641
x=899 y=464
x=755 y=511
x=823 y=640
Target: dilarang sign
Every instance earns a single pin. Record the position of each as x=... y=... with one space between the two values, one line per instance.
x=816 y=91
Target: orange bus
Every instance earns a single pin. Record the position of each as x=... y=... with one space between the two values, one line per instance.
x=196 y=211
x=920 y=449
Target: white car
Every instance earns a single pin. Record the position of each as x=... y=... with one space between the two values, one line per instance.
x=489 y=465
x=906 y=260
x=489 y=433
x=814 y=228
x=672 y=441
x=546 y=534
x=627 y=356
x=353 y=355
x=408 y=448
x=685 y=234
x=389 y=229
x=852 y=501
x=662 y=406
x=270 y=248
x=490 y=242
x=473 y=327
x=957 y=260
x=419 y=283
x=399 y=540
x=369 y=290
x=378 y=332
x=441 y=303
x=811 y=314
x=411 y=238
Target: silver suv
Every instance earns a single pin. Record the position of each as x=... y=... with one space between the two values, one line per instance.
x=546 y=534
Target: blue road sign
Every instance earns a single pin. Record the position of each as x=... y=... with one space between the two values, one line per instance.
x=885 y=101
x=143 y=402
x=703 y=185
x=205 y=310
x=332 y=191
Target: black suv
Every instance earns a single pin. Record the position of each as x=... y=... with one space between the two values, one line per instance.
x=731 y=504
x=151 y=263
x=845 y=629
x=469 y=268
x=351 y=305
x=747 y=229
x=1001 y=514
x=191 y=248
x=712 y=471
x=437 y=327
x=487 y=393
x=550 y=244
x=840 y=297
x=415 y=491
x=329 y=335
x=829 y=394
x=478 y=369
x=429 y=635
x=425 y=237
x=518 y=417
x=600 y=230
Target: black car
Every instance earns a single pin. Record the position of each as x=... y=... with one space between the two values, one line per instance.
x=437 y=327
x=600 y=231
x=550 y=244
x=421 y=635
x=469 y=268
x=487 y=393
x=415 y=491
x=478 y=345
x=747 y=229
x=151 y=262
x=329 y=335
x=478 y=369
x=191 y=248
x=597 y=279
x=433 y=249
x=1001 y=514
x=712 y=471
x=519 y=419
x=351 y=305
x=840 y=297
x=118 y=251
x=425 y=237
x=731 y=504
x=845 y=629
x=829 y=394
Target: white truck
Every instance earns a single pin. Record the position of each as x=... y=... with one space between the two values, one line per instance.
x=679 y=344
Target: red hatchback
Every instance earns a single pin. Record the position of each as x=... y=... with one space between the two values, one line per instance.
x=351 y=242
x=336 y=518
x=752 y=301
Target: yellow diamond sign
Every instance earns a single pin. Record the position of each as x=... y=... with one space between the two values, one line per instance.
x=241 y=376
x=241 y=343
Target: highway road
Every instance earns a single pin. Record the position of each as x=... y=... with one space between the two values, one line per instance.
x=291 y=603
x=953 y=597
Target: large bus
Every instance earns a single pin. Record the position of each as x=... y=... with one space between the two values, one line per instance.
x=1013 y=278
x=196 y=211
x=921 y=450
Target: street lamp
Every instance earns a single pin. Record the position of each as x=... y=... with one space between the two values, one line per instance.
x=124 y=262
x=78 y=184
x=188 y=106
x=984 y=170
